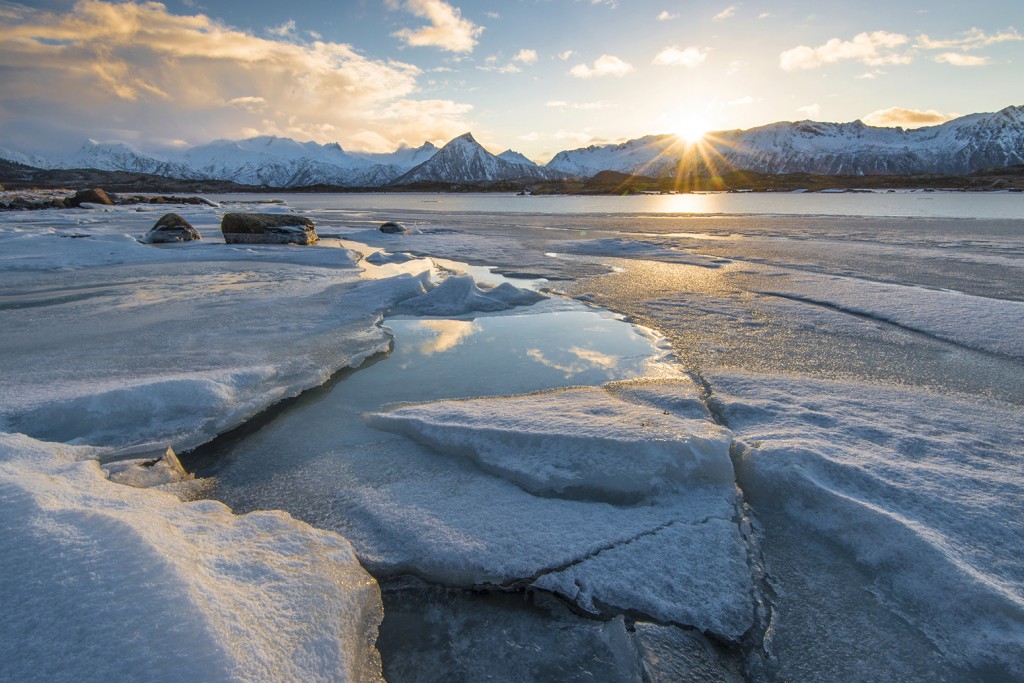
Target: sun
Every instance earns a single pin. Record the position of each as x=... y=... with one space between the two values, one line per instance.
x=691 y=129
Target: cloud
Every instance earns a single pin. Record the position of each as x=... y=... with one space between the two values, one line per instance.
x=525 y=56
x=960 y=59
x=727 y=13
x=907 y=118
x=447 y=30
x=584 y=106
x=742 y=101
x=673 y=56
x=252 y=103
x=566 y=55
x=765 y=15
x=285 y=29
x=969 y=40
x=137 y=73
x=873 y=49
x=810 y=110
x=605 y=65
x=667 y=16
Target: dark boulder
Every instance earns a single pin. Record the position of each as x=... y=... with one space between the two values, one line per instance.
x=171 y=228
x=395 y=228
x=267 y=228
x=94 y=196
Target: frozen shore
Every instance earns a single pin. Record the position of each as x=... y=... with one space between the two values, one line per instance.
x=782 y=500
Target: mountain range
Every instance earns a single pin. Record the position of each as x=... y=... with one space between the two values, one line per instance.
x=957 y=147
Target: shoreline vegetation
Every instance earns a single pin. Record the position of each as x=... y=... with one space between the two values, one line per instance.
x=19 y=177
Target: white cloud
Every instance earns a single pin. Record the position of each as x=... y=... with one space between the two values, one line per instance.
x=727 y=13
x=252 y=103
x=448 y=29
x=584 y=106
x=960 y=59
x=665 y=15
x=137 y=73
x=566 y=55
x=525 y=56
x=765 y=15
x=873 y=49
x=867 y=76
x=810 y=110
x=673 y=56
x=285 y=29
x=492 y=15
x=969 y=40
x=739 y=102
x=605 y=65
x=907 y=118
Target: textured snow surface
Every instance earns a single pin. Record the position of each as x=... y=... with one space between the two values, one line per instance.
x=977 y=322
x=104 y=582
x=460 y=294
x=581 y=442
x=641 y=249
x=560 y=464
x=892 y=527
x=108 y=341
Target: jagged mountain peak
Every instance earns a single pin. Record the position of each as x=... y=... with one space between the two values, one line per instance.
x=516 y=158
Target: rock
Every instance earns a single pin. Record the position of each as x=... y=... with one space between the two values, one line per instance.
x=59 y=203
x=267 y=228
x=393 y=228
x=171 y=228
x=94 y=196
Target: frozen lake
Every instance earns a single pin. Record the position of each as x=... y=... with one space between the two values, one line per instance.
x=904 y=204
x=695 y=437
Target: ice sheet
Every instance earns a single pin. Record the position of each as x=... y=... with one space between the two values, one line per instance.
x=460 y=294
x=976 y=322
x=106 y=582
x=893 y=516
x=582 y=442
x=108 y=341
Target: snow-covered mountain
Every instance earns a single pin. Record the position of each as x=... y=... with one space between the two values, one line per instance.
x=464 y=160
x=404 y=157
x=516 y=158
x=117 y=156
x=959 y=146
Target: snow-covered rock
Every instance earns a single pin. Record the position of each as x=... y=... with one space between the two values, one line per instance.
x=171 y=228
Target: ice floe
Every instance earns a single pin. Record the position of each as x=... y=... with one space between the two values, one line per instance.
x=460 y=294
x=581 y=442
x=892 y=532
x=106 y=582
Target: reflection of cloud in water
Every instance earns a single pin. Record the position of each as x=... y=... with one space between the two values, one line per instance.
x=586 y=359
x=595 y=358
x=449 y=334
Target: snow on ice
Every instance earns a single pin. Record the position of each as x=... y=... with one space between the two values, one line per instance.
x=106 y=582
x=891 y=522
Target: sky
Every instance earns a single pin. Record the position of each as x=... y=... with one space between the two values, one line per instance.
x=537 y=76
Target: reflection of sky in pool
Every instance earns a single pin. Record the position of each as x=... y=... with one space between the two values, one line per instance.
x=434 y=359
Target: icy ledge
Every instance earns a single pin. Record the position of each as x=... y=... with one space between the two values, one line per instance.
x=106 y=582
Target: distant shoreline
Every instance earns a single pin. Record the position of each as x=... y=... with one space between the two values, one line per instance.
x=17 y=177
